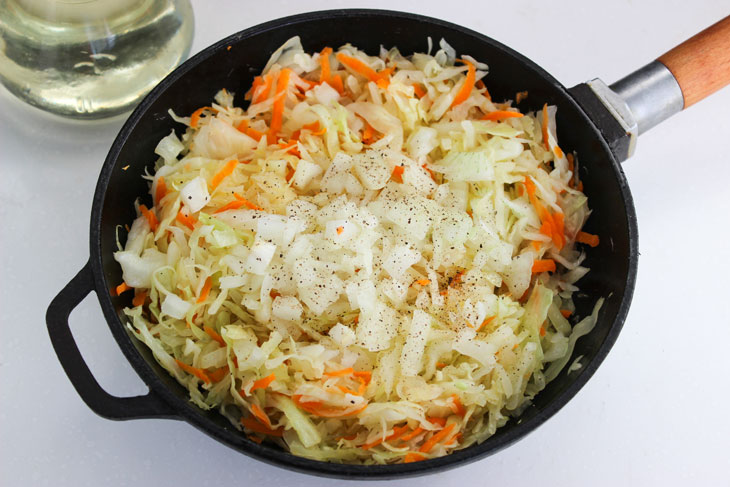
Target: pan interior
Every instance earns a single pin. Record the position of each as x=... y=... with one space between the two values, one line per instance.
x=196 y=82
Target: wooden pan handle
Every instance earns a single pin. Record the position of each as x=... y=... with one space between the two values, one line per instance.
x=701 y=64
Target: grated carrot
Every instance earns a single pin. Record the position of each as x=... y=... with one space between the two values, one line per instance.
x=260 y=415
x=263 y=90
x=543 y=265
x=436 y=438
x=457 y=407
x=321 y=410
x=161 y=189
x=397 y=174
x=195 y=117
x=254 y=134
x=185 y=220
x=587 y=238
x=439 y=421
x=424 y=282
x=413 y=457
x=150 y=216
x=566 y=313
x=361 y=68
x=123 y=287
x=412 y=434
x=199 y=373
x=440 y=365
x=139 y=298
x=262 y=383
x=465 y=90
x=277 y=114
x=486 y=322
x=520 y=95
x=397 y=432
x=501 y=115
x=214 y=335
x=336 y=83
x=324 y=62
x=205 y=291
x=257 y=427
x=246 y=202
x=340 y=373
x=223 y=173
x=340 y=230
x=419 y=91
x=233 y=205
x=218 y=374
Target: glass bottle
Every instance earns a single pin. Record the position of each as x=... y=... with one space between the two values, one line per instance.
x=89 y=59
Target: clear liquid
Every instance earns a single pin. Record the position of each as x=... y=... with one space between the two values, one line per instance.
x=90 y=60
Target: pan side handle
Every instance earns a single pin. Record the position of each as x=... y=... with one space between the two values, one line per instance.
x=100 y=401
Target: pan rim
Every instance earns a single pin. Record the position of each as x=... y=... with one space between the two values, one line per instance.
x=191 y=414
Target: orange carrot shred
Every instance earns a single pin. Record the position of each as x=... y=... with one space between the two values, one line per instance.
x=358 y=66
x=424 y=282
x=139 y=298
x=397 y=432
x=340 y=373
x=260 y=415
x=277 y=114
x=366 y=375
x=324 y=62
x=161 y=189
x=254 y=134
x=340 y=230
x=468 y=85
x=566 y=313
x=558 y=151
x=413 y=457
x=223 y=173
x=205 y=291
x=436 y=438
x=520 y=95
x=195 y=117
x=440 y=365
x=123 y=287
x=218 y=374
x=587 y=238
x=457 y=407
x=419 y=91
x=412 y=434
x=233 y=205
x=536 y=245
x=486 y=322
x=185 y=220
x=150 y=215
x=336 y=83
x=439 y=421
x=319 y=409
x=199 y=373
x=255 y=439
x=246 y=202
x=262 y=383
x=214 y=335
x=262 y=91
x=543 y=265
x=257 y=427
x=542 y=330
x=545 y=121
x=397 y=174
x=501 y=115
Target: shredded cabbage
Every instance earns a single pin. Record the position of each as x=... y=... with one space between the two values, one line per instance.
x=358 y=261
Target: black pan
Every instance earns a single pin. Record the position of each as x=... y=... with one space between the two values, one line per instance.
x=231 y=64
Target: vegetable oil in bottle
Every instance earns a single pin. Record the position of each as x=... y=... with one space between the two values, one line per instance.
x=89 y=59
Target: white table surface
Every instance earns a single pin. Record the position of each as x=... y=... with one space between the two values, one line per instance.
x=656 y=410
